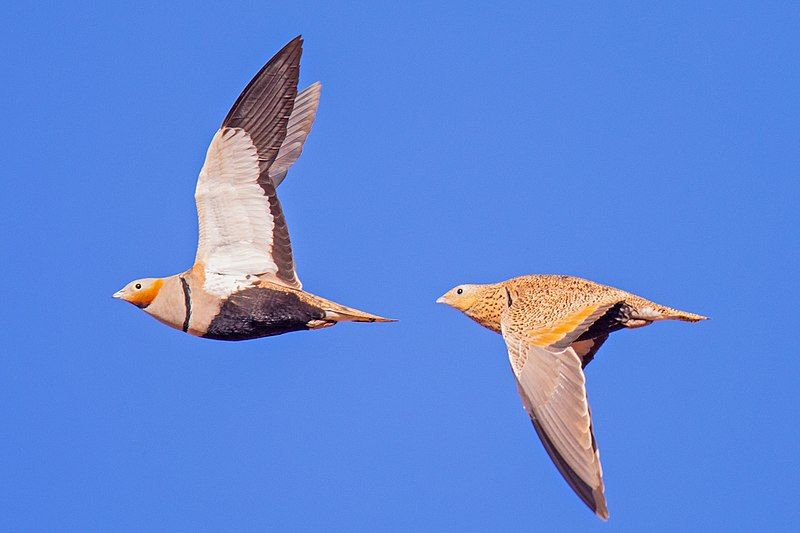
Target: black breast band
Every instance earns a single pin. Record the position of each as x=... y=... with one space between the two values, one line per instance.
x=187 y=300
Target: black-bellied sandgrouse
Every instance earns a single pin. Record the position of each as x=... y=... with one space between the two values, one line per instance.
x=243 y=283
x=553 y=326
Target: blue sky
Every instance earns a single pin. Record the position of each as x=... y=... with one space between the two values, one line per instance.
x=651 y=148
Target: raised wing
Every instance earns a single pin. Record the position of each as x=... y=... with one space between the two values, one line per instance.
x=242 y=227
x=303 y=115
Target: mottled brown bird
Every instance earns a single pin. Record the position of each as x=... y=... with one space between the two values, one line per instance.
x=243 y=283
x=553 y=327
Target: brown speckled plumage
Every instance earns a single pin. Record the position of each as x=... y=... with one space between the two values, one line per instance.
x=553 y=325
x=547 y=298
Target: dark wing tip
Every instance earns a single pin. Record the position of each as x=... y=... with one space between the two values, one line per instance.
x=602 y=512
x=293 y=47
x=593 y=498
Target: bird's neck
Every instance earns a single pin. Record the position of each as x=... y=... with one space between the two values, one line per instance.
x=169 y=305
x=489 y=306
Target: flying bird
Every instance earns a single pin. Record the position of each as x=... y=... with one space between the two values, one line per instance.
x=553 y=326
x=243 y=284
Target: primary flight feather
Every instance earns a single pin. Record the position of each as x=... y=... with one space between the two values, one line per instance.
x=553 y=327
x=243 y=284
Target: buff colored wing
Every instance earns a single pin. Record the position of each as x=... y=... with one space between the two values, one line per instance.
x=242 y=227
x=564 y=328
x=552 y=387
x=298 y=128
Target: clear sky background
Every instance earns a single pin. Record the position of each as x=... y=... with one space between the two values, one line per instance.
x=656 y=149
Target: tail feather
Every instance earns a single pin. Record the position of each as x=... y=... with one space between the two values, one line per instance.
x=676 y=314
x=341 y=313
x=663 y=312
x=354 y=315
x=645 y=310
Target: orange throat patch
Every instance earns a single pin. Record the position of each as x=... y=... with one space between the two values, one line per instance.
x=145 y=297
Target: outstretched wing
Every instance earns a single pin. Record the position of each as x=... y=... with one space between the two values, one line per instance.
x=242 y=227
x=303 y=115
x=552 y=386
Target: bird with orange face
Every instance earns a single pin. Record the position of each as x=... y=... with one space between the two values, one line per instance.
x=243 y=283
x=553 y=327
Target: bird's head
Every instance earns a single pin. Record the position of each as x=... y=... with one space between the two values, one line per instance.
x=461 y=297
x=140 y=292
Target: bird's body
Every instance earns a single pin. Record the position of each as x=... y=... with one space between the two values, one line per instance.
x=258 y=308
x=549 y=297
x=553 y=326
x=243 y=283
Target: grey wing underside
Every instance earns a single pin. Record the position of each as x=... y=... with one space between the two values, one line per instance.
x=592 y=497
x=552 y=387
x=298 y=128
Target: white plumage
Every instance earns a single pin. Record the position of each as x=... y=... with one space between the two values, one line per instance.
x=233 y=212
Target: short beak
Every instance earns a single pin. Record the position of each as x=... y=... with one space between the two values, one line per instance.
x=117 y=295
x=441 y=300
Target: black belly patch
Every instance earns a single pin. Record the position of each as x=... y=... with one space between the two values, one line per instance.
x=259 y=312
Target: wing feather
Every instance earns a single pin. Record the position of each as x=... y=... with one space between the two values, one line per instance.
x=298 y=128
x=588 y=347
x=242 y=227
x=551 y=384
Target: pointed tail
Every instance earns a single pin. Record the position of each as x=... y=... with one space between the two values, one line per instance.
x=341 y=313
x=354 y=315
x=648 y=311
x=668 y=313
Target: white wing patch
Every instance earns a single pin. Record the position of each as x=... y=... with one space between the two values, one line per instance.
x=232 y=210
x=223 y=285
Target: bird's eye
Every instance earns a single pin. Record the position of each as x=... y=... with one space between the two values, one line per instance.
x=138 y=286
x=460 y=291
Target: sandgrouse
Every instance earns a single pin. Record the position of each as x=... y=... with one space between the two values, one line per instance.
x=553 y=326
x=243 y=283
